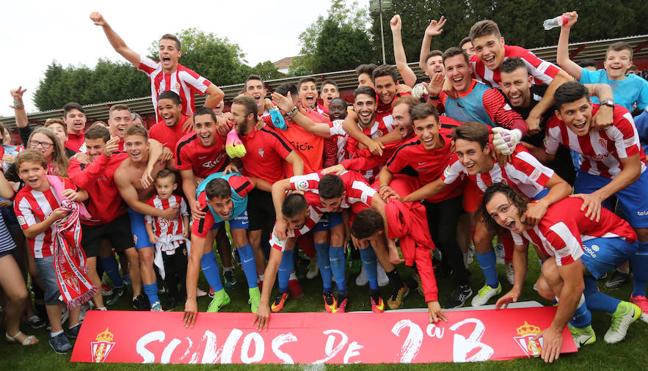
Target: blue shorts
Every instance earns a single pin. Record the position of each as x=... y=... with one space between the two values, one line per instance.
x=47 y=277
x=138 y=227
x=603 y=255
x=240 y=222
x=633 y=199
x=328 y=222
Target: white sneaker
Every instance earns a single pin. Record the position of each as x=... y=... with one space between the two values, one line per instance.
x=499 y=252
x=383 y=280
x=469 y=256
x=485 y=294
x=362 y=278
x=510 y=273
x=625 y=314
x=313 y=269
x=200 y=293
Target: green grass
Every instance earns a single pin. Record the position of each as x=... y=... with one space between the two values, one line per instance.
x=628 y=355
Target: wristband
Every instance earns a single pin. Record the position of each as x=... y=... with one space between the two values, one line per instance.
x=293 y=111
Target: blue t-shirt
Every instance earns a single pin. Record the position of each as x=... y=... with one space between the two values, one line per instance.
x=641 y=123
x=627 y=92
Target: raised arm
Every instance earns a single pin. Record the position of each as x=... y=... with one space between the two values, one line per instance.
x=435 y=28
x=214 y=96
x=285 y=104
x=19 y=107
x=115 y=40
x=409 y=77
x=562 y=58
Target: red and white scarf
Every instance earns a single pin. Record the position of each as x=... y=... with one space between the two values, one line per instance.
x=69 y=259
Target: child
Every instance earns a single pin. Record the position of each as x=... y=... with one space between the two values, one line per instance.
x=169 y=237
x=48 y=212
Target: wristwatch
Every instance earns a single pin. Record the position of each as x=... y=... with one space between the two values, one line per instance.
x=607 y=102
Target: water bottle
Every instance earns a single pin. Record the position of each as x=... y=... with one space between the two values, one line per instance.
x=548 y=24
x=277 y=118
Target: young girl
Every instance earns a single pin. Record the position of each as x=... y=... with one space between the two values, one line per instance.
x=169 y=237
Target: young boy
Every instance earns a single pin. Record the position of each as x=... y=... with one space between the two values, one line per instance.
x=39 y=206
x=169 y=236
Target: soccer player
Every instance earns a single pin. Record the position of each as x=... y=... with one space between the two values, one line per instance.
x=222 y=197
x=268 y=154
x=169 y=235
x=109 y=219
x=630 y=91
x=120 y=119
x=173 y=124
x=168 y=74
x=571 y=246
x=408 y=222
x=255 y=89
x=199 y=155
x=474 y=158
x=432 y=66
x=364 y=72
x=75 y=120
x=613 y=164
x=467 y=46
x=328 y=91
x=416 y=163
x=38 y=209
x=132 y=178
x=491 y=51
x=523 y=95
x=470 y=100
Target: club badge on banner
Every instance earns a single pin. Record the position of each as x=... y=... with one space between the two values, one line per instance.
x=311 y=338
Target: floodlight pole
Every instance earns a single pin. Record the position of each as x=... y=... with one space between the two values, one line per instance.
x=382 y=37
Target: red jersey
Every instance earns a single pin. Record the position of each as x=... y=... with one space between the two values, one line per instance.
x=310 y=147
x=266 y=154
x=564 y=227
x=312 y=218
x=182 y=81
x=203 y=161
x=543 y=72
x=385 y=109
x=427 y=165
x=104 y=203
x=523 y=172
x=163 y=226
x=603 y=149
x=33 y=207
x=357 y=192
x=75 y=142
x=169 y=136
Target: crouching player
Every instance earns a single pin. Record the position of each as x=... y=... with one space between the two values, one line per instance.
x=223 y=197
x=571 y=246
x=406 y=221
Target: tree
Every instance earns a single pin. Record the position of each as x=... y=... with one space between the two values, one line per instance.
x=339 y=41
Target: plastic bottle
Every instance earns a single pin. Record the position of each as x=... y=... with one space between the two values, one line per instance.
x=559 y=21
x=277 y=119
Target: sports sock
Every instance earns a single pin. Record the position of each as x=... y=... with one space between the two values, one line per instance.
x=285 y=269
x=488 y=264
x=582 y=316
x=324 y=265
x=596 y=300
x=151 y=291
x=368 y=258
x=248 y=263
x=640 y=270
x=338 y=266
x=109 y=265
x=210 y=269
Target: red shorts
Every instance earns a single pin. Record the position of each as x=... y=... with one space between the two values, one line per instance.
x=472 y=197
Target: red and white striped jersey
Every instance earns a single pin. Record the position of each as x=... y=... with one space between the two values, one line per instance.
x=564 y=227
x=184 y=81
x=523 y=172
x=163 y=226
x=603 y=149
x=339 y=137
x=357 y=192
x=543 y=72
x=33 y=207
x=312 y=218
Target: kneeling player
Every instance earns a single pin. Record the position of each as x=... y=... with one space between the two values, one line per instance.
x=223 y=197
x=571 y=245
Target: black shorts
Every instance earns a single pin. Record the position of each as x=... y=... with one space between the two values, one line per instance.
x=118 y=232
x=261 y=212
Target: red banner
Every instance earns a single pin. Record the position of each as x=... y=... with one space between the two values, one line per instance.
x=310 y=338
